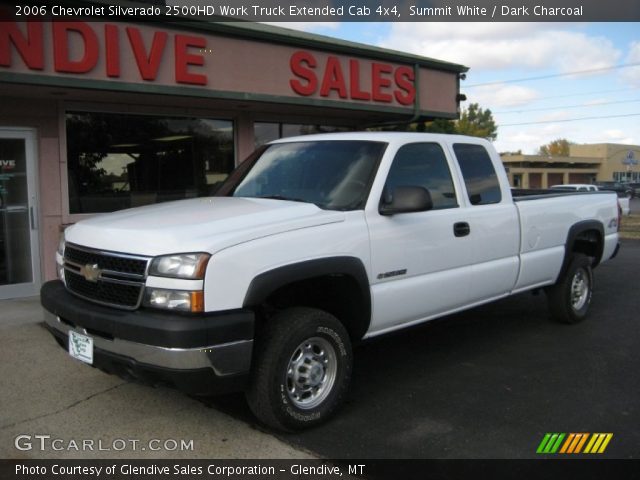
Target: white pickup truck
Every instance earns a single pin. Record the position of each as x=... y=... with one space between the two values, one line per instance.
x=310 y=246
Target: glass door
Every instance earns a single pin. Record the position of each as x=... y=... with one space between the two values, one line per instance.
x=19 y=244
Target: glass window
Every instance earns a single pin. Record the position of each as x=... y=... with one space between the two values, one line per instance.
x=117 y=161
x=266 y=132
x=517 y=180
x=479 y=175
x=15 y=243
x=332 y=175
x=423 y=165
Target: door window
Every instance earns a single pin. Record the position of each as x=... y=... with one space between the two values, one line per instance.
x=479 y=175
x=423 y=165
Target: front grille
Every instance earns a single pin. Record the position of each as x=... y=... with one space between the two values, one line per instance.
x=111 y=262
x=104 y=292
x=108 y=278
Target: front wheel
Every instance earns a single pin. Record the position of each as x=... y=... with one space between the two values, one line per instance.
x=570 y=298
x=302 y=368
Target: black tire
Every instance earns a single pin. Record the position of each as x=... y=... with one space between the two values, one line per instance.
x=569 y=299
x=317 y=348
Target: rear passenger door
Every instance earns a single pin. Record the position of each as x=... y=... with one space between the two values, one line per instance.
x=494 y=227
x=419 y=266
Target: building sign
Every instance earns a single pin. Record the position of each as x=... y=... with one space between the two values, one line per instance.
x=80 y=48
x=212 y=65
x=7 y=165
x=630 y=159
x=385 y=81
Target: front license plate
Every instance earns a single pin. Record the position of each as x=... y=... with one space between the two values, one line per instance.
x=81 y=347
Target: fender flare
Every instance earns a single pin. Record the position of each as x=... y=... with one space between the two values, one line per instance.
x=268 y=282
x=572 y=235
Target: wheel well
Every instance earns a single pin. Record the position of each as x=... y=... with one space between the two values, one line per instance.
x=590 y=243
x=338 y=294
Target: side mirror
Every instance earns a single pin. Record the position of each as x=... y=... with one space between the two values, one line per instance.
x=406 y=199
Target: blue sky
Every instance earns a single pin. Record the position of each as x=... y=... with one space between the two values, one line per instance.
x=499 y=52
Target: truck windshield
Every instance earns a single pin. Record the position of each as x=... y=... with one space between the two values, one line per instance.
x=334 y=175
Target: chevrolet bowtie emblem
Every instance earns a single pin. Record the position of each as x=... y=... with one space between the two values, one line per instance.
x=90 y=272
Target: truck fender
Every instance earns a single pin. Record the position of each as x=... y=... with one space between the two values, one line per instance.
x=266 y=283
x=574 y=233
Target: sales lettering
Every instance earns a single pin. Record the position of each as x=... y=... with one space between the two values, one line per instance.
x=336 y=77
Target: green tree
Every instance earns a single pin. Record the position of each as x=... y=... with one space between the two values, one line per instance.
x=477 y=122
x=437 y=126
x=556 y=148
x=474 y=121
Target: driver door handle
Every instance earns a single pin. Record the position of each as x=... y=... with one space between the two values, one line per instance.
x=461 y=229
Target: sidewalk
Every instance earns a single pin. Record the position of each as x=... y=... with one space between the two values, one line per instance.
x=47 y=393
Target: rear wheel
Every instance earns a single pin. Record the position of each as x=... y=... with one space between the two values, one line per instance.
x=302 y=369
x=570 y=298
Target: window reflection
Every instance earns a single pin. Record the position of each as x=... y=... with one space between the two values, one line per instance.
x=117 y=161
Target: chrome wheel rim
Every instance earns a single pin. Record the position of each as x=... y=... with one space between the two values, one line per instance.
x=579 y=289
x=311 y=373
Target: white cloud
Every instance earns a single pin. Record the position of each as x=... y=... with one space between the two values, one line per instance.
x=529 y=138
x=632 y=74
x=528 y=141
x=502 y=95
x=613 y=134
x=503 y=45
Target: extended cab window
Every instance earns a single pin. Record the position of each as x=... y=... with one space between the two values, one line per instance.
x=479 y=175
x=423 y=165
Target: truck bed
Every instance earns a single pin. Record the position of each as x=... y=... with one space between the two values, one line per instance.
x=521 y=194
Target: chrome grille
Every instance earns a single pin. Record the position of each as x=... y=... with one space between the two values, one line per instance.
x=109 y=278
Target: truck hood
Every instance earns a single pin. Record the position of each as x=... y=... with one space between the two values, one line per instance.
x=195 y=225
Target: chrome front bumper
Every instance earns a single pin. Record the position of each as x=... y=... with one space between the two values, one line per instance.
x=225 y=359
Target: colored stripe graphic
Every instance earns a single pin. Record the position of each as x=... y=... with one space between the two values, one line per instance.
x=574 y=443
x=598 y=442
x=550 y=443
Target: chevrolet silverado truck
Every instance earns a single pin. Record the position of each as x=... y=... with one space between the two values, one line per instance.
x=310 y=246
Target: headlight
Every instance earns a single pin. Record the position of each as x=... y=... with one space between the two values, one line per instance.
x=181 y=300
x=186 y=265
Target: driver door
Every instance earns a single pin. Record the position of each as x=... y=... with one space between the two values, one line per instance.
x=421 y=260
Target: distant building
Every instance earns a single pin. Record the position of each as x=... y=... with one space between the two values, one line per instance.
x=585 y=164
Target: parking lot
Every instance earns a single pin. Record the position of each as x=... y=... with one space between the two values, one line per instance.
x=488 y=383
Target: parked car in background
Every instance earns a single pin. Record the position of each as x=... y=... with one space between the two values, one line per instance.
x=575 y=187
x=623 y=200
x=622 y=189
x=635 y=189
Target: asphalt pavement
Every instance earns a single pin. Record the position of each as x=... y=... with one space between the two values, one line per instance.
x=490 y=382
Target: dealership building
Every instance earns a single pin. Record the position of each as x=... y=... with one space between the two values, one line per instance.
x=97 y=116
x=586 y=163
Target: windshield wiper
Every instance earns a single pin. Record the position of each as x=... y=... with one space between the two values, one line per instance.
x=282 y=197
